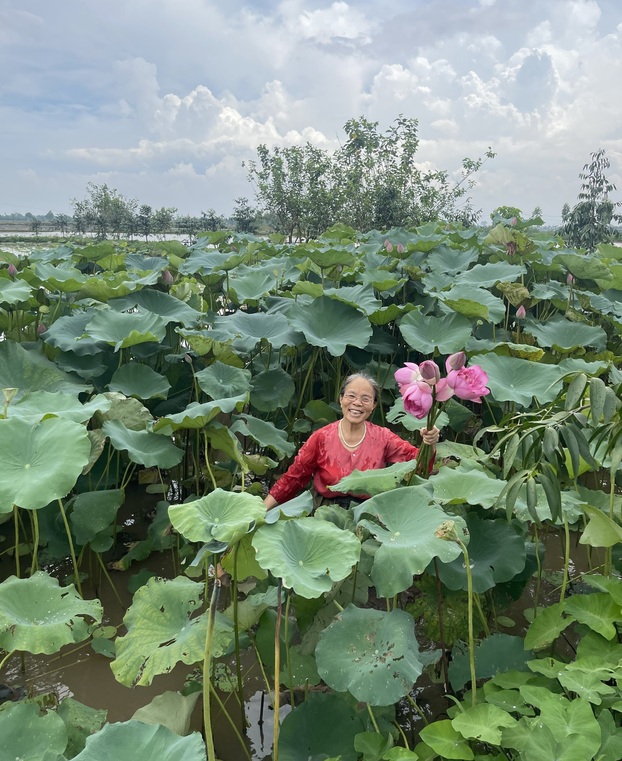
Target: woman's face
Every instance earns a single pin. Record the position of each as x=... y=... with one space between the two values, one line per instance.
x=357 y=401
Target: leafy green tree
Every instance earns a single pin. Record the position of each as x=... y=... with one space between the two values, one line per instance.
x=244 y=217
x=163 y=220
x=144 y=221
x=211 y=221
x=35 y=226
x=61 y=223
x=105 y=211
x=188 y=226
x=590 y=220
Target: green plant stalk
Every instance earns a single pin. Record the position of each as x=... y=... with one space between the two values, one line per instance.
x=232 y=723
x=413 y=703
x=207 y=659
x=287 y=653
x=110 y=581
x=608 y=550
x=207 y=462
x=478 y=605
x=441 y=625
x=373 y=718
x=72 y=550
x=236 y=630
x=16 y=524
x=536 y=596
x=277 y=672
x=467 y=565
x=263 y=673
x=34 y=522
x=562 y=593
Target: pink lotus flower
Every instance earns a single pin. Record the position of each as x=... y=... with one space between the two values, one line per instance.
x=167 y=277
x=12 y=270
x=570 y=278
x=521 y=313
x=455 y=361
x=418 y=399
x=41 y=328
x=400 y=248
x=408 y=374
x=388 y=245
x=443 y=391
x=469 y=383
x=429 y=372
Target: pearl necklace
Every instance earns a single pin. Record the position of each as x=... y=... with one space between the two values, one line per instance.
x=343 y=438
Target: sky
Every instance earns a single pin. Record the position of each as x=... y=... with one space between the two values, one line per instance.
x=164 y=100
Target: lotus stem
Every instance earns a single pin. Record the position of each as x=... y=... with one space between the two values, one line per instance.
x=478 y=604
x=232 y=724
x=562 y=594
x=34 y=522
x=263 y=673
x=413 y=703
x=72 y=550
x=207 y=659
x=373 y=718
x=16 y=523
x=207 y=462
x=469 y=575
x=238 y=664
x=441 y=625
x=277 y=672
x=536 y=597
x=110 y=581
x=402 y=734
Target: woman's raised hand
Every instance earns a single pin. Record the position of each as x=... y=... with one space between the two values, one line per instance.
x=430 y=437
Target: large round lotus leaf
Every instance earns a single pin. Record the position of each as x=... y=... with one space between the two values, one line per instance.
x=29 y=370
x=163 y=304
x=133 y=740
x=447 y=334
x=126 y=329
x=247 y=329
x=370 y=653
x=249 y=284
x=67 y=334
x=264 y=433
x=466 y=483
x=272 y=389
x=519 y=380
x=361 y=297
x=136 y=379
x=564 y=335
x=496 y=552
x=404 y=523
x=331 y=324
x=221 y=381
x=474 y=302
x=93 y=512
x=198 y=415
x=375 y=481
x=162 y=631
x=27 y=734
x=66 y=279
x=40 y=463
x=143 y=447
x=330 y=257
x=35 y=405
x=308 y=554
x=487 y=275
x=39 y=616
x=221 y=515
x=129 y=411
x=14 y=292
x=323 y=727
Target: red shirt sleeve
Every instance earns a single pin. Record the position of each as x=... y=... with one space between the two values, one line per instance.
x=299 y=473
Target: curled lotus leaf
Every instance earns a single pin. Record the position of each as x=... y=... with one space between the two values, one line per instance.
x=308 y=554
x=37 y=405
x=122 y=330
x=37 y=615
x=136 y=379
x=162 y=631
x=221 y=515
x=565 y=335
x=372 y=654
x=198 y=415
x=143 y=447
x=29 y=370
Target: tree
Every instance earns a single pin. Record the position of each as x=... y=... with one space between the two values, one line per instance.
x=61 y=223
x=188 y=226
x=144 y=221
x=105 y=211
x=590 y=220
x=244 y=216
x=163 y=220
x=211 y=221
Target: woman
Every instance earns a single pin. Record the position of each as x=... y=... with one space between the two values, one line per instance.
x=352 y=443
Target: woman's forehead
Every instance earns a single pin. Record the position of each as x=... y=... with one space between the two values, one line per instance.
x=360 y=385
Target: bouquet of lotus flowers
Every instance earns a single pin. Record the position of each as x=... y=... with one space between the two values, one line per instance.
x=423 y=391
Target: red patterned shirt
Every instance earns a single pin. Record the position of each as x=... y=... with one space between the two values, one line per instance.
x=324 y=457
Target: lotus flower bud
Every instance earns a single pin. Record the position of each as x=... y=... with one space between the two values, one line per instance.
x=167 y=278
x=400 y=248
x=388 y=245
x=455 y=361
x=513 y=221
x=447 y=531
x=9 y=393
x=429 y=372
x=570 y=278
x=12 y=270
x=521 y=313
x=41 y=328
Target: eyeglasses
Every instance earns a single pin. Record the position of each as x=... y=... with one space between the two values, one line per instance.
x=364 y=399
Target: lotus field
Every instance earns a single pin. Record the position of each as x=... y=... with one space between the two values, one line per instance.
x=194 y=373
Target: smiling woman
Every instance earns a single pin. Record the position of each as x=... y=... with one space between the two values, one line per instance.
x=336 y=450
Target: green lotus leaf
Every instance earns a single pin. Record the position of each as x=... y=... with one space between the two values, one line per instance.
x=247 y=329
x=564 y=335
x=436 y=281
x=122 y=330
x=375 y=481
x=171 y=710
x=27 y=734
x=198 y=415
x=597 y=610
x=613 y=283
x=162 y=631
x=362 y=646
x=132 y=413
x=251 y=284
x=446 y=741
x=37 y=615
x=65 y=279
x=518 y=380
x=466 y=483
x=390 y=313
x=601 y=531
x=94 y=512
x=451 y=260
x=308 y=554
x=36 y=405
x=404 y=523
x=330 y=257
x=132 y=740
x=263 y=433
x=473 y=302
x=496 y=553
x=107 y=285
x=81 y=722
x=220 y=380
x=583 y=266
x=494 y=654
x=381 y=280
x=136 y=379
x=427 y=334
x=143 y=447
x=323 y=727
x=491 y=273
x=40 y=463
x=331 y=324
x=14 y=291
x=483 y=722
x=220 y=515
x=271 y=390
x=28 y=370
x=67 y=334
x=361 y=297
x=169 y=308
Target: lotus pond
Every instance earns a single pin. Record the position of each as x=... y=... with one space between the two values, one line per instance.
x=189 y=376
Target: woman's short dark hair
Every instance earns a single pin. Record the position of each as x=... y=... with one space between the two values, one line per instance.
x=363 y=376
